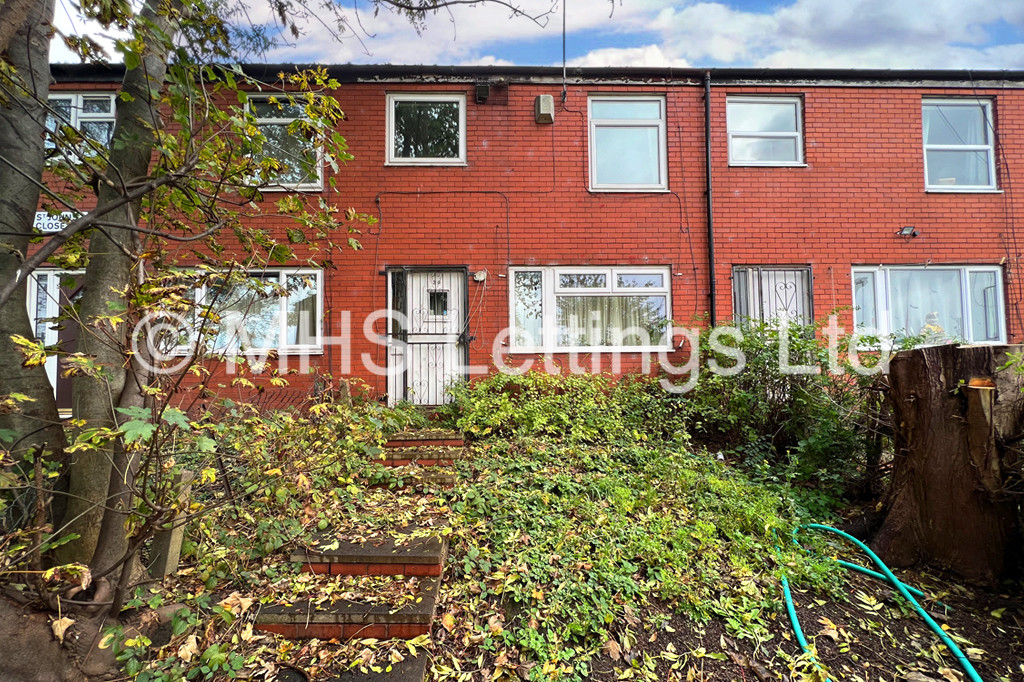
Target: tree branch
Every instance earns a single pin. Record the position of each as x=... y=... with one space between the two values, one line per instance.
x=84 y=222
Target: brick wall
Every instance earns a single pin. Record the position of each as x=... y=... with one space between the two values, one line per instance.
x=522 y=199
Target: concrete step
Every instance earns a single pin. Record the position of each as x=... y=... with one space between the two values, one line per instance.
x=438 y=455
x=418 y=438
x=421 y=556
x=346 y=619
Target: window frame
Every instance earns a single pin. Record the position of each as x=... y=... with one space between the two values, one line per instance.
x=883 y=296
x=593 y=124
x=392 y=159
x=275 y=186
x=796 y=101
x=551 y=289
x=987 y=106
x=282 y=332
x=79 y=116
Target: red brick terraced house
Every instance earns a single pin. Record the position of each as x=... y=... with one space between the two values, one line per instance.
x=526 y=214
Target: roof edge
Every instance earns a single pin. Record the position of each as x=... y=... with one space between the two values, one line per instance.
x=355 y=73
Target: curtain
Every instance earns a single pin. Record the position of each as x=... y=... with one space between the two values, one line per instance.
x=610 y=320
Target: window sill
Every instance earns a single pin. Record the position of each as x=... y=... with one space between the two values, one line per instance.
x=733 y=164
x=629 y=190
x=221 y=355
x=452 y=163
x=591 y=349
x=962 y=190
x=319 y=187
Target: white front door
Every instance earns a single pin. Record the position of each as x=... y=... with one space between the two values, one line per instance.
x=426 y=352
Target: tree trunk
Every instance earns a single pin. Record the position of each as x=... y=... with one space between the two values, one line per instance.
x=109 y=273
x=22 y=122
x=952 y=411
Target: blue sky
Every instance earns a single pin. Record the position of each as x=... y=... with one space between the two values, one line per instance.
x=937 y=34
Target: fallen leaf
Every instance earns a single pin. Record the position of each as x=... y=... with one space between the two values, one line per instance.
x=612 y=649
x=188 y=649
x=448 y=621
x=60 y=626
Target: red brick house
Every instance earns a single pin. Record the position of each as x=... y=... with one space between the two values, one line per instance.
x=523 y=216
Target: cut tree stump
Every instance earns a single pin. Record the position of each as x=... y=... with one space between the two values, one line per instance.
x=957 y=420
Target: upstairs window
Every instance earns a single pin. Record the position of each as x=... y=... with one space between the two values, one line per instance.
x=959 y=154
x=92 y=115
x=297 y=155
x=939 y=304
x=426 y=129
x=768 y=294
x=765 y=131
x=627 y=144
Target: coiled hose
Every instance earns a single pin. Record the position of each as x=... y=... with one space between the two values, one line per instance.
x=884 y=575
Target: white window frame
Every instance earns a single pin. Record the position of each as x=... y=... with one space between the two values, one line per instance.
x=274 y=185
x=795 y=102
x=78 y=115
x=989 y=149
x=551 y=288
x=883 y=296
x=661 y=125
x=394 y=160
x=283 y=349
x=51 y=336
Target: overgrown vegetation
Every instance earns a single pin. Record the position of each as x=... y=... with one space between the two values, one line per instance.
x=560 y=553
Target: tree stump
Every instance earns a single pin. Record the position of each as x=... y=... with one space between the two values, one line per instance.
x=956 y=421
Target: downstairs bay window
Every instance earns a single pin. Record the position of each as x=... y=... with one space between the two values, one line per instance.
x=589 y=309
x=937 y=304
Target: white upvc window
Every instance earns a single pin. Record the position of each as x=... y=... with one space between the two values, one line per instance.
x=765 y=131
x=271 y=310
x=771 y=293
x=959 y=147
x=298 y=155
x=627 y=143
x=939 y=303
x=91 y=114
x=584 y=309
x=426 y=129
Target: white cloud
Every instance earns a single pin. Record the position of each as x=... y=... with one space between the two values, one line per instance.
x=824 y=33
x=649 y=55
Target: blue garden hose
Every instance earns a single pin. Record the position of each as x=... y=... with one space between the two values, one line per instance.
x=885 y=575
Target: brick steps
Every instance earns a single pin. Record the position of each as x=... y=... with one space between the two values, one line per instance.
x=416 y=459
x=415 y=557
x=346 y=619
x=434 y=455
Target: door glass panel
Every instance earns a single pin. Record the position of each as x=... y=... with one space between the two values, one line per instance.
x=438 y=303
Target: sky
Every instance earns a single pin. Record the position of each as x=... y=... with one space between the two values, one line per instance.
x=896 y=34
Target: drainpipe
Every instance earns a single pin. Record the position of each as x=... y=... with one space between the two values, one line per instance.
x=709 y=196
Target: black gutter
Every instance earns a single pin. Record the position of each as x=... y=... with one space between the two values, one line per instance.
x=709 y=198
